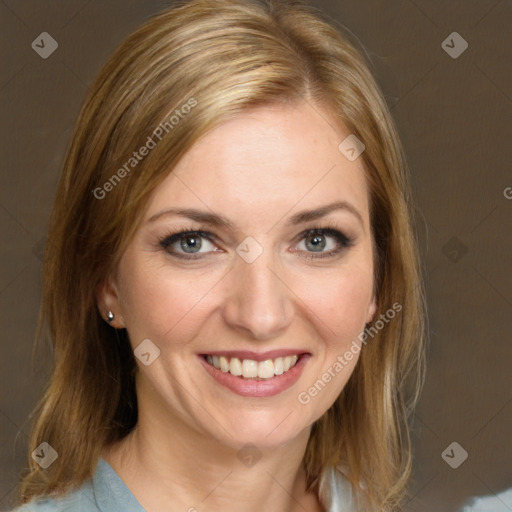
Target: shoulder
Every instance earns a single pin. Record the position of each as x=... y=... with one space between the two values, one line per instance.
x=103 y=491
x=498 y=503
x=79 y=500
x=336 y=492
x=339 y=495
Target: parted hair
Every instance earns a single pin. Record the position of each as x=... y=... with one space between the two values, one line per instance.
x=220 y=58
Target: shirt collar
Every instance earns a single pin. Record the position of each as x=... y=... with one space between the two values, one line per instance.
x=111 y=492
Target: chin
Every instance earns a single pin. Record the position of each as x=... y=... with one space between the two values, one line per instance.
x=266 y=429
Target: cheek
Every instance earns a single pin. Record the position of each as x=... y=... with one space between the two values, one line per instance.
x=159 y=303
x=339 y=301
x=338 y=308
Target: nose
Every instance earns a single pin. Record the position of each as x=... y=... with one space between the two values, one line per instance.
x=258 y=302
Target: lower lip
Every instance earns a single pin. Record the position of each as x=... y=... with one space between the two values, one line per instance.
x=257 y=388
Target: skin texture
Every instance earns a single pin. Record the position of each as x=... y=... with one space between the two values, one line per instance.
x=258 y=170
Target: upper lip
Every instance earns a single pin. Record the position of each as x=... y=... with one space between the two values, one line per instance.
x=256 y=356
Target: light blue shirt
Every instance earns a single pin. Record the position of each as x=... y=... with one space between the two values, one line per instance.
x=498 y=503
x=106 y=492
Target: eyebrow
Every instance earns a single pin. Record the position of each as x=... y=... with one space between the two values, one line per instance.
x=220 y=221
x=317 y=213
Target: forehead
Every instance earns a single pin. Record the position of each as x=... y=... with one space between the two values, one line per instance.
x=264 y=163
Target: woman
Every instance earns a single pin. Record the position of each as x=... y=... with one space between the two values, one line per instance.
x=231 y=280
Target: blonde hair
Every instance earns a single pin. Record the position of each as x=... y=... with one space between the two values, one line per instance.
x=220 y=58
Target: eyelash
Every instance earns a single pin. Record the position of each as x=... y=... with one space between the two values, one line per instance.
x=342 y=240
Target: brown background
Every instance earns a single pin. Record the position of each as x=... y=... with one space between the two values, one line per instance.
x=454 y=116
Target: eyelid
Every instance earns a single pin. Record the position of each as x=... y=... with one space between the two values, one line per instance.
x=327 y=231
x=178 y=235
x=181 y=233
x=341 y=238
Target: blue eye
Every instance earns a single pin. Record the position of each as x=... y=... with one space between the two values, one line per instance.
x=313 y=243
x=188 y=243
x=323 y=242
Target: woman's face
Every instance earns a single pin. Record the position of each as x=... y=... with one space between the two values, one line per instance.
x=257 y=289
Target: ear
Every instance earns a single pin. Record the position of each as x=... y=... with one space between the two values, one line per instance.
x=107 y=299
x=372 y=309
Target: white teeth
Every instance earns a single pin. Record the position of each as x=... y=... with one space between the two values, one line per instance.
x=224 y=365
x=250 y=369
x=278 y=366
x=266 y=369
x=235 y=367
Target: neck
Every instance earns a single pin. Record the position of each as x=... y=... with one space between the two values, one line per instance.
x=167 y=465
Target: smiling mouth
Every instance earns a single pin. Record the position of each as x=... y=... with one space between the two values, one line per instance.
x=251 y=369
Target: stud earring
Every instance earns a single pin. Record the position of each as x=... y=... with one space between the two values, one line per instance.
x=110 y=316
